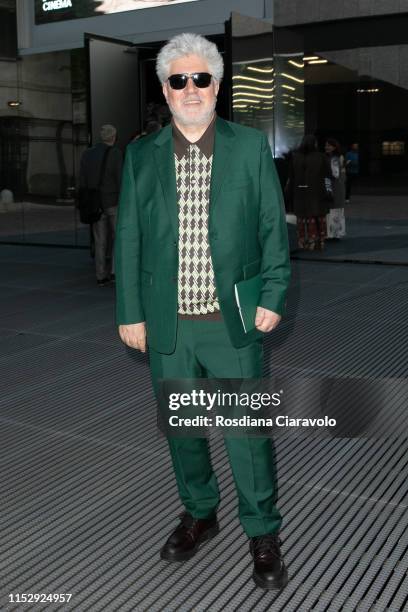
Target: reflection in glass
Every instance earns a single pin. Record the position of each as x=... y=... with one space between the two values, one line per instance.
x=41 y=140
x=253 y=74
x=267 y=86
x=290 y=101
x=253 y=94
x=358 y=97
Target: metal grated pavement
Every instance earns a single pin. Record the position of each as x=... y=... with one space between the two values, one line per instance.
x=88 y=494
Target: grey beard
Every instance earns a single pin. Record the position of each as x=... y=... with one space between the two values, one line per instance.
x=189 y=122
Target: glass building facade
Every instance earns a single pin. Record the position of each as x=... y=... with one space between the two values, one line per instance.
x=285 y=74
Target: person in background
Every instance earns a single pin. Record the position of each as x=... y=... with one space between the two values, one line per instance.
x=306 y=190
x=150 y=127
x=352 y=168
x=335 y=220
x=90 y=171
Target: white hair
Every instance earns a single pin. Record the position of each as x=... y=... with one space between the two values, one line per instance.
x=189 y=44
x=108 y=133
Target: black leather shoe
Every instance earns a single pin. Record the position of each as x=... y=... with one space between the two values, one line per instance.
x=269 y=569
x=187 y=538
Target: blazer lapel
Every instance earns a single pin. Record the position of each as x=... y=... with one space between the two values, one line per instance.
x=164 y=156
x=223 y=146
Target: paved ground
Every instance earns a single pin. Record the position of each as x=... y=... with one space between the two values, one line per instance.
x=375 y=207
x=377 y=229
x=87 y=490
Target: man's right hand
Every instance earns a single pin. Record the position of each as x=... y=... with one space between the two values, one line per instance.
x=134 y=335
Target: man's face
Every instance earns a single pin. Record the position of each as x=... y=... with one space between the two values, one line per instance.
x=191 y=106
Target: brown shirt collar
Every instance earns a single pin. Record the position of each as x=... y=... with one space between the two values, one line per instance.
x=205 y=143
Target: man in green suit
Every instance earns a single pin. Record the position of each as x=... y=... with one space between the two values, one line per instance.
x=201 y=209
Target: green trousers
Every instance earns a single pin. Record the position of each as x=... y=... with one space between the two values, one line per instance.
x=204 y=350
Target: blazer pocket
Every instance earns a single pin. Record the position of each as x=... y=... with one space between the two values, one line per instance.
x=232 y=186
x=147 y=278
x=252 y=269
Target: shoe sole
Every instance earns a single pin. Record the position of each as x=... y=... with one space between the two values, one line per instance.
x=185 y=556
x=278 y=584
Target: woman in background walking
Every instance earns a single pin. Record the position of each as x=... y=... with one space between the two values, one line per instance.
x=306 y=190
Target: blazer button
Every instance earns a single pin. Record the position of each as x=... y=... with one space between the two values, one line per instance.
x=174 y=279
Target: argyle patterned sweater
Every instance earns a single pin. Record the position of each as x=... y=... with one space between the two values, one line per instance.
x=196 y=284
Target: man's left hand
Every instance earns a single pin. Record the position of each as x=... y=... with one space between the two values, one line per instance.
x=266 y=320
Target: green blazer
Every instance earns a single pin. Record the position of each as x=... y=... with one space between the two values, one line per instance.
x=247 y=231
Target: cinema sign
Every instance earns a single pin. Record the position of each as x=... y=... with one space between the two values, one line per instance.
x=48 y=11
x=54 y=5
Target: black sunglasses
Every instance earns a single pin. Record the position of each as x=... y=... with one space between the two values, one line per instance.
x=200 y=79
